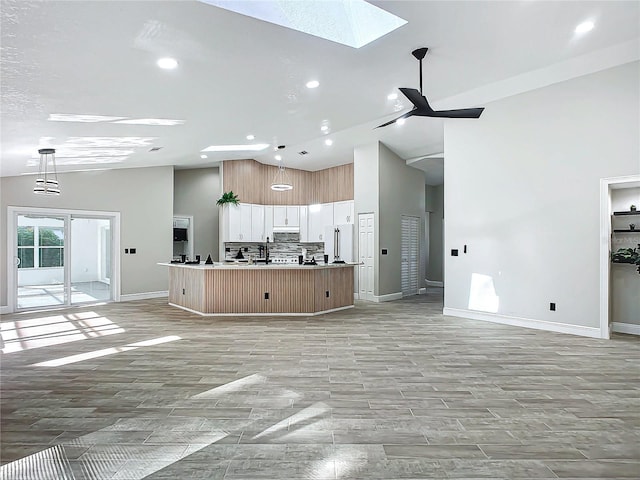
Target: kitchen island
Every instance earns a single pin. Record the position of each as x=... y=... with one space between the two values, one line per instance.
x=259 y=289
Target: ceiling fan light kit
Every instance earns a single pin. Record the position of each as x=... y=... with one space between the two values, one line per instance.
x=421 y=107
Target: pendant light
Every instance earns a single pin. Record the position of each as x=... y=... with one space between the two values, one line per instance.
x=281 y=182
x=47 y=179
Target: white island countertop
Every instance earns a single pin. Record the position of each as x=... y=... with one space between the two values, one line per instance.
x=248 y=266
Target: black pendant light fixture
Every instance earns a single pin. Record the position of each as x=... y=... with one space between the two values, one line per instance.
x=47 y=179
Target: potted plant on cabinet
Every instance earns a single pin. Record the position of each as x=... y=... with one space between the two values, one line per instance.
x=228 y=198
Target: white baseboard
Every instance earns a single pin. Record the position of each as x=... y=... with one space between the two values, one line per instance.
x=356 y=296
x=389 y=297
x=143 y=296
x=4 y=309
x=422 y=291
x=524 y=322
x=630 y=328
x=432 y=283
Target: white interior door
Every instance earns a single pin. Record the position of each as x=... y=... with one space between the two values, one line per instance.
x=366 y=249
x=409 y=255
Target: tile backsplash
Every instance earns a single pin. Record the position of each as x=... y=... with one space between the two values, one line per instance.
x=280 y=248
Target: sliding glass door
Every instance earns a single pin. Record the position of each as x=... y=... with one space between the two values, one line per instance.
x=62 y=259
x=40 y=261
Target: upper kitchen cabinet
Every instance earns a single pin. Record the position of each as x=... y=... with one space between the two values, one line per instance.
x=237 y=223
x=257 y=223
x=343 y=212
x=286 y=216
x=320 y=216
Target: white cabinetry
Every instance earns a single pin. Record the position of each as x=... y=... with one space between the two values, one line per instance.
x=304 y=223
x=268 y=222
x=320 y=216
x=237 y=223
x=285 y=216
x=257 y=223
x=343 y=212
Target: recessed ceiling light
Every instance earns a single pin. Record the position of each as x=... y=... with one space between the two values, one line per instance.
x=392 y=96
x=162 y=122
x=236 y=148
x=324 y=128
x=400 y=121
x=251 y=137
x=313 y=84
x=278 y=157
x=585 y=27
x=203 y=156
x=328 y=142
x=167 y=63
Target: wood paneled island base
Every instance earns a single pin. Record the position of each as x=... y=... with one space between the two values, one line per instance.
x=260 y=289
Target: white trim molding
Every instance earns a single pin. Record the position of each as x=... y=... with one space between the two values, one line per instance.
x=4 y=309
x=606 y=185
x=434 y=283
x=630 y=328
x=143 y=296
x=389 y=297
x=591 y=332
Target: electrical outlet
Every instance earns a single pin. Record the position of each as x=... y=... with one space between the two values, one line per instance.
x=454 y=252
x=552 y=306
x=132 y=251
x=266 y=295
x=384 y=251
x=326 y=294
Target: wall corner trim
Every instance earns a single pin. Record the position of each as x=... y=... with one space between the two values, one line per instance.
x=143 y=296
x=629 y=328
x=4 y=309
x=591 y=332
x=389 y=297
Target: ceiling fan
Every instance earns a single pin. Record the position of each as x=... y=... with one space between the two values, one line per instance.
x=422 y=107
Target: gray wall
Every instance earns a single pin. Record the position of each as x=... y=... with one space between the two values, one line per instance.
x=385 y=186
x=401 y=190
x=435 y=206
x=144 y=198
x=522 y=191
x=195 y=192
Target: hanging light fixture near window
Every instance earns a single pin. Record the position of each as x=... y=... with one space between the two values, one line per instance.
x=47 y=179
x=281 y=182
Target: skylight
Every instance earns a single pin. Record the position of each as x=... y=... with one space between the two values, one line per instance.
x=236 y=148
x=354 y=23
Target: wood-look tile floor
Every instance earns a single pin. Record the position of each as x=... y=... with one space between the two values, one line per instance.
x=382 y=391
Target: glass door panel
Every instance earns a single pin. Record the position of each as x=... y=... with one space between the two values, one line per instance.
x=90 y=259
x=41 y=261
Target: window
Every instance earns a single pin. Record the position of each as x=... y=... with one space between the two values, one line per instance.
x=26 y=247
x=51 y=242
x=50 y=247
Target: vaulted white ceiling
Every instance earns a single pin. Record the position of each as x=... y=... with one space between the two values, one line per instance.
x=239 y=76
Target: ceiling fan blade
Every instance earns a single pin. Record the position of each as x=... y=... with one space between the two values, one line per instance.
x=459 y=113
x=406 y=115
x=417 y=99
